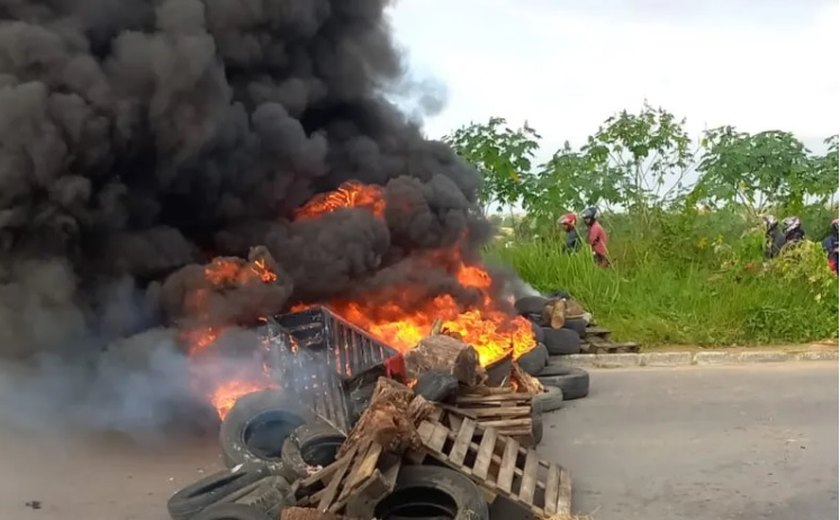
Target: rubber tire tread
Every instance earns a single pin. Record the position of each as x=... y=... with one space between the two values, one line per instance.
x=309 y=433
x=536 y=426
x=270 y=496
x=548 y=401
x=190 y=501
x=232 y=431
x=574 y=382
x=469 y=500
x=232 y=512
x=561 y=342
x=535 y=360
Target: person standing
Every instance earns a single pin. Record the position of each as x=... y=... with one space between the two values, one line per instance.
x=568 y=222
x=596 y=236
x=794 y=233
x=830 y=245
x=774 y=238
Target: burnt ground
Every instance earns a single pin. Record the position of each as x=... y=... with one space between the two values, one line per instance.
x=748 y=442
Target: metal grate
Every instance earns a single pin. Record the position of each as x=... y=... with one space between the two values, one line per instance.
x=313 y=353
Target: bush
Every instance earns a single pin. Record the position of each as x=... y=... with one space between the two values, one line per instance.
x=697 y=280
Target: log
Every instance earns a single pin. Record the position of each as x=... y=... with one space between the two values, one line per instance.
x=445 y=353
x=389 y=419
x=525 y=382
x=555 y=313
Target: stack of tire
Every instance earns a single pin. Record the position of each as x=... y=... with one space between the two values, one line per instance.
x=268 y=443
x=544 y=361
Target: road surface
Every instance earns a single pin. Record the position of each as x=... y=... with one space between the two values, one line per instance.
x=750 y=442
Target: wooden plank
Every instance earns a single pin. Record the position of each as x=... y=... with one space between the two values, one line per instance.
x=466 y=412
x=511 y=423
x=425 y=431
x=491 y=411
x=508 y=464
x=493 y=398
x=564 y=497
x=552 y=489
x=529 y=478
x=325 y=473
x=485 y=454
x=332 y=488
x=462 y=442
x=364 y=468
x=438 y=437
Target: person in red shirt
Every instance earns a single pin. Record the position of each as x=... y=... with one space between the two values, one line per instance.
x=596 y=236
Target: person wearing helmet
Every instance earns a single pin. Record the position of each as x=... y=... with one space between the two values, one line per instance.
x=596 y=236
x=830 y=244
x=568 y=222
x=792 y=228
x=774 y=239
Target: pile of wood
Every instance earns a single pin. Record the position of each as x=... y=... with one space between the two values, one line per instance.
x=484 y=432
x=594 y=340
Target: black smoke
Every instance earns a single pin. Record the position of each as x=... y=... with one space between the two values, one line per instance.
x=138 y=138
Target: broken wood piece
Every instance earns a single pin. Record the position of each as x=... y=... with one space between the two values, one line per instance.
x=302 y=513
x=525 y=382
x=445 y=353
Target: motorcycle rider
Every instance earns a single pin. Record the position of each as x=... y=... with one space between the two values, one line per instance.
x=774 y=238
x=596 y=236
x=567 y=222
x=792 y=228
x=830 y=245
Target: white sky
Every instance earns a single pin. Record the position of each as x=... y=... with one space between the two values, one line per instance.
x=566 y=65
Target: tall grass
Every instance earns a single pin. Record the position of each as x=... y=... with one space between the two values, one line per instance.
x=711 y=293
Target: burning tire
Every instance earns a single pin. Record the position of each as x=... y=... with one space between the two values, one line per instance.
x=196 y=497
x=539 y=334
x=534 y=360
x=574 y=382
x=254 y=430
x=576 y=324
x=232 y=512
x=548 y=401
x=432 y=492
x=311 y=445
x=560 y=342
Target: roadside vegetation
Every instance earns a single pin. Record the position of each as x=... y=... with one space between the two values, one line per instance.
x=684 y=219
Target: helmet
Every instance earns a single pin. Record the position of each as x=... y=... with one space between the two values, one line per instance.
x=589 y=214
x=770 y=222
x=569 y=219
x=791 y=223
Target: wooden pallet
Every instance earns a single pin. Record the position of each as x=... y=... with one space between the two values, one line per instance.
x=356 y=481
x=509 y=412
x=596 y=346
x=499 y=465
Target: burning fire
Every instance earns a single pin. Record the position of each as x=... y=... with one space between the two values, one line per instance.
x=349 y=195
x=226 y=394
x=400 y=316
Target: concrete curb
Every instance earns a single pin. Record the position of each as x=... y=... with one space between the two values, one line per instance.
x=681 y=359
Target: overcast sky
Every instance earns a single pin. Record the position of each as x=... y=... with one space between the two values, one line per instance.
x=566 y=65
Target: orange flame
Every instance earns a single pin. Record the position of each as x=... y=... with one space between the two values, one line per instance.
x=225 y=395
x=349 y=195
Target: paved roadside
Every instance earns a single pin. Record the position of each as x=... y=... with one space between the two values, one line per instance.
x=717 y=443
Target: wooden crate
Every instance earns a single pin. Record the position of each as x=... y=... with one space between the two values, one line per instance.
x=500 y=465
x=510 y=413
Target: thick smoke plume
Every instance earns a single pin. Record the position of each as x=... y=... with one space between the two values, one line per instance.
x=140 y=137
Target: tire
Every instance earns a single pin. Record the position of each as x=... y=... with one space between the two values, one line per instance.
x=196 y=497
x=574 y=382
x=436 y=386
x=270 y=496
x=561 y=342
x=432 y=492
x=311 y=445
x=550 y=400
x=530 y=305
x=232 y=512
x=576 y=324
x=539 y=334
x=276 y=419
x=535 y=360
x=536 y=427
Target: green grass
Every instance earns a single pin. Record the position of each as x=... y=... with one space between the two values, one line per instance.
x=658 y=297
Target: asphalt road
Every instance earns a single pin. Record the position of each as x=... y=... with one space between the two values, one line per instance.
x=755 y=442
